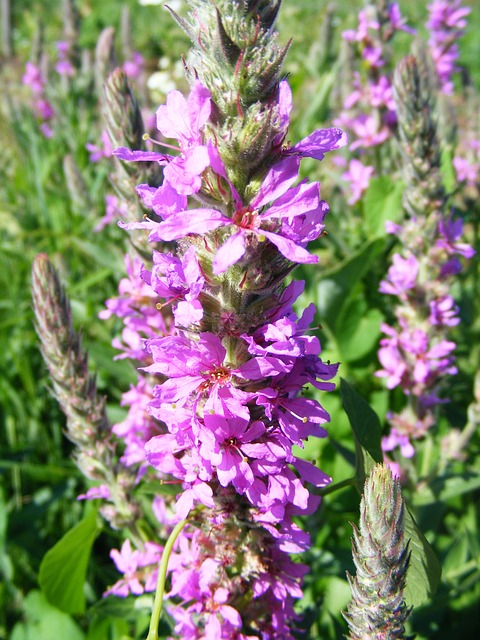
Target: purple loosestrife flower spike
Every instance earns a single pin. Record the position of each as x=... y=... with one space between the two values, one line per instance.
x=378 y=610
x=446 y=23
x=417 y=355
x=227 y=371
x=88 y=426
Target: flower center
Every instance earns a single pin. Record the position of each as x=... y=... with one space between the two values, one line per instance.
x=246 y=218
x=220 y=376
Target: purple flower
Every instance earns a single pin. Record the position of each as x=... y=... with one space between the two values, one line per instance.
x=64 y=67
x=467 y=171
x=256 y=219
x=134 y=67
x=409 y=360
x=199 y=368
x=446 y=23
x=369 y=131
x=104 y=150
x=138 y=427
x=396 y=20
x=230 y=447
x=450 y=231
x=43 y=109
x=318 y=143
x=101 y=492
x=444 y=312
x=182 y=120
x=365 y=22
x=401 y=277
x=358 y=175
x=140 y=569
x=114 y=209
x=179 y=281
x=33 y=77
x=396 y=439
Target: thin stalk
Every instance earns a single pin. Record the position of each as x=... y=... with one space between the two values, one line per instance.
x=348 y=482
x=162 y=574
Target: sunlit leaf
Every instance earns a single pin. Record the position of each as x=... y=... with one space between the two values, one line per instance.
x=424 y=571
x=366 y=431
x=64 y=566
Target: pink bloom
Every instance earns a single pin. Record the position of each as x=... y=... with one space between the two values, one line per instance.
x=369 y=131
x=358 y=175
x=104 y=150
x=134 y=67
x=33 y=77
x=402 y=275
x=180 y=281
x=140 y=569
x=114 y=209
x=101 y=492
x=396 y=439
x=443 y=312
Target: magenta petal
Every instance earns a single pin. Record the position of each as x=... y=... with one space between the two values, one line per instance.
x=204 y=494
x=277 y=181
x=166 y=201
x=231 y=615
x=199 y=105
x=173 y=119
x=197 y=221
x=297 y=201
x=230 y=252
x=311 y=473
x=123 y=153
x=319 y=142
x=284 y=104
x=258 y=368
x=289 y=249
x=146 y=193
x=183 y=505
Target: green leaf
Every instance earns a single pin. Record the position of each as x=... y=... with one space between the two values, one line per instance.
x=366 y=429
x=444 y=488
x=64 y=567
x=45 y=622
x=447 y=170
x=382 y=202
x=424 y=571
x=337 y=285
x=358 y=330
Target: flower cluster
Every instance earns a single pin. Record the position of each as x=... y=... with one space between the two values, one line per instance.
x=64 y=66
x=417 y=355
x=446 y=23
x=369 y=109
x=224 y=357
x=35 y=79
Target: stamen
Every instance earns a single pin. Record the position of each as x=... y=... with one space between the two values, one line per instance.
x=146 y=136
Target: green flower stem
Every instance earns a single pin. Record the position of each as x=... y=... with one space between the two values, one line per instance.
x=331 y=488
x=162 y=574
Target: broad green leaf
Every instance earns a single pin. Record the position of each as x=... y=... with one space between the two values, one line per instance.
x=424 y=571
x=45 y=622
x=337 y=284
x=382 y=202
x=366 y=429
x=358 y=330
x=64 y=566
